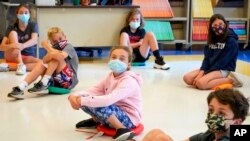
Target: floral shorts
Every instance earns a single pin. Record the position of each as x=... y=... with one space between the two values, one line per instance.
x=103 y=113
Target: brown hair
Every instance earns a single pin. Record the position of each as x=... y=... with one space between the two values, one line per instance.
x=135 y=12
x=54 y=30
x=211 y=35
x=234 y=98
x=130 y=55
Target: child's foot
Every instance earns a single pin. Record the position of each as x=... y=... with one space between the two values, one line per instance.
x=236 y=81
x=4 y=67
x=123 y=134
x=39 y=88
x=21 y=69
x=88 y=123
x=160 y=64
x=16 y=93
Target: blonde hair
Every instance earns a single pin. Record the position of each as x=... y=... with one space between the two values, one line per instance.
x=130 y=55
x=54 y=30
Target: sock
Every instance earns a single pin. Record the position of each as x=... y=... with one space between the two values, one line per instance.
x=46 y=79
x=156 y=54
x=23 y=85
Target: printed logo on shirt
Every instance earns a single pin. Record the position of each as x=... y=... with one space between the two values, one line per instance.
x=134 y=39
x=217 y=46
x=23 y=38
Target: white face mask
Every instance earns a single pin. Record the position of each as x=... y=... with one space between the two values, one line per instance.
x=134 y=25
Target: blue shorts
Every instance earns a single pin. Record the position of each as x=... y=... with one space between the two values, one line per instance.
x=103 y=113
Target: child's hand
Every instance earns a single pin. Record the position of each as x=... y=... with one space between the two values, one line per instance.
x=45 y=44
x=75 y=102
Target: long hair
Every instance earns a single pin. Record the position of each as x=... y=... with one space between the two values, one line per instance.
x=135 y=12
x=211 y=35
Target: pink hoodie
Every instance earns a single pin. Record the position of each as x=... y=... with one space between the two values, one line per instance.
x=123 y=91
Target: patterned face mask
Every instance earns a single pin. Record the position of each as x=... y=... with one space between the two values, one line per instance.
x=219 y=30
x=216 y=123
x=60 y=45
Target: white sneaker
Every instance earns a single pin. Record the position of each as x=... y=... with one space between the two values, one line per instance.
x=236 y=81
x=21 y=69
x=160 y=64
x=4 y=67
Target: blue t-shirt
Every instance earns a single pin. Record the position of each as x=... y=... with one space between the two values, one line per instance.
x=24 y=36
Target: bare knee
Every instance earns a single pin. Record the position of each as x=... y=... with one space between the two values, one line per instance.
x=12 y=36
x=150 y=34
x=157 y=135
x=201 y=85
x=187 y=80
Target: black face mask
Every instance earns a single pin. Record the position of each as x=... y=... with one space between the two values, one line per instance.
x=60 y=45
x=220 y=30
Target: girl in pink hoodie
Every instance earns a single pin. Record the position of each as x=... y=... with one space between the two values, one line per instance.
x=116 y=101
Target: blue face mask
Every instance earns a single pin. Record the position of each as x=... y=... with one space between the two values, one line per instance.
x=134 y=25
x=24 y=18
x=117 y=66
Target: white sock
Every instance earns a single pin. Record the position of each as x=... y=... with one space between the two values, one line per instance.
x=23 y=85
x=46 y=79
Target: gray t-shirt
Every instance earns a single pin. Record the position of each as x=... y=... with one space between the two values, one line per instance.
x=73 y=61
x=24 y=36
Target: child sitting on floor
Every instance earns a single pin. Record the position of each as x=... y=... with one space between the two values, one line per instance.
x=59 y=67
x=116 y=101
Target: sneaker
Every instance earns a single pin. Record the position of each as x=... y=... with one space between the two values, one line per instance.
x=21 y=69
x=88 y=123
x=236 y=81
x=4 y=67
x=16 y=93
x=39 y=88
x=123 y=134
x=160 y=64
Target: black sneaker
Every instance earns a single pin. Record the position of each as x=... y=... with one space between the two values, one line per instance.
x=88 y=123
x=16 y=93
x=39 y=88
x=123 y=134
x=160 y=64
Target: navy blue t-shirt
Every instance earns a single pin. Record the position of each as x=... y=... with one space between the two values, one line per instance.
x=24 y=36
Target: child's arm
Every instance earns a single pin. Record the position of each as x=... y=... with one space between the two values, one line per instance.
x=5 y=45
x=137 y=44
x=125 y=88
x=53 y=53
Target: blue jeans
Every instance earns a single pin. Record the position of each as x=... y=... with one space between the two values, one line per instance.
x=103 y=113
